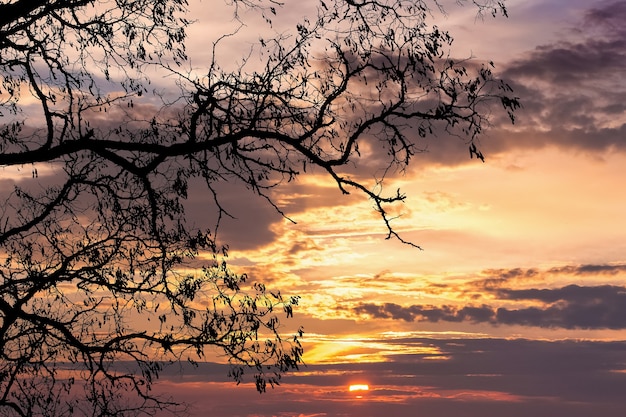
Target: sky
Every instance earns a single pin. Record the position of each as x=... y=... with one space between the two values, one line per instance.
x=516 y=305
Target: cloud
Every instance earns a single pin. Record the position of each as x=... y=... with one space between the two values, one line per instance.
x=609 y=18
x=497 y=278
x=425 y=313
x=570 y=294
x=589 y=269
x=494 y=377
x=572 y=93
x=572 y=90
x=569 y=307
x=567 y=63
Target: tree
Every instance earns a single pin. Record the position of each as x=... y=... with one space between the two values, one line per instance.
x=101 y=283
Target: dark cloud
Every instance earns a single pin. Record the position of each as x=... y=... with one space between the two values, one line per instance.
x=249 y=219
x=570 y=294
x=425 y=313
x=496 y=278
x=480 y=377
x=566 y=64
x=570 y=307
x=571 y=90
x=589 y=269
x=609 y=18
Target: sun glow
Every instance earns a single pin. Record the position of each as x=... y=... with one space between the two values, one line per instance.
x=359 y=387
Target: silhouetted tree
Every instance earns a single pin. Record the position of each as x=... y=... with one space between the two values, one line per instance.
x=100 y=283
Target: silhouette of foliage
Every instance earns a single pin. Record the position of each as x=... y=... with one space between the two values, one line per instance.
x=101 y=282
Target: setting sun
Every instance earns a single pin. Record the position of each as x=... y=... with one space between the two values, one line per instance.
x=359 y=388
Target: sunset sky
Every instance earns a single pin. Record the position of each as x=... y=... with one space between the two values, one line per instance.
x=514 y=306
x=517 y=304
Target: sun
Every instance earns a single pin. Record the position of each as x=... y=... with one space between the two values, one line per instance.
x=359 y=389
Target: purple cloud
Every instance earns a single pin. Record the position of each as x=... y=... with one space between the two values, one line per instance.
x=570 y=307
